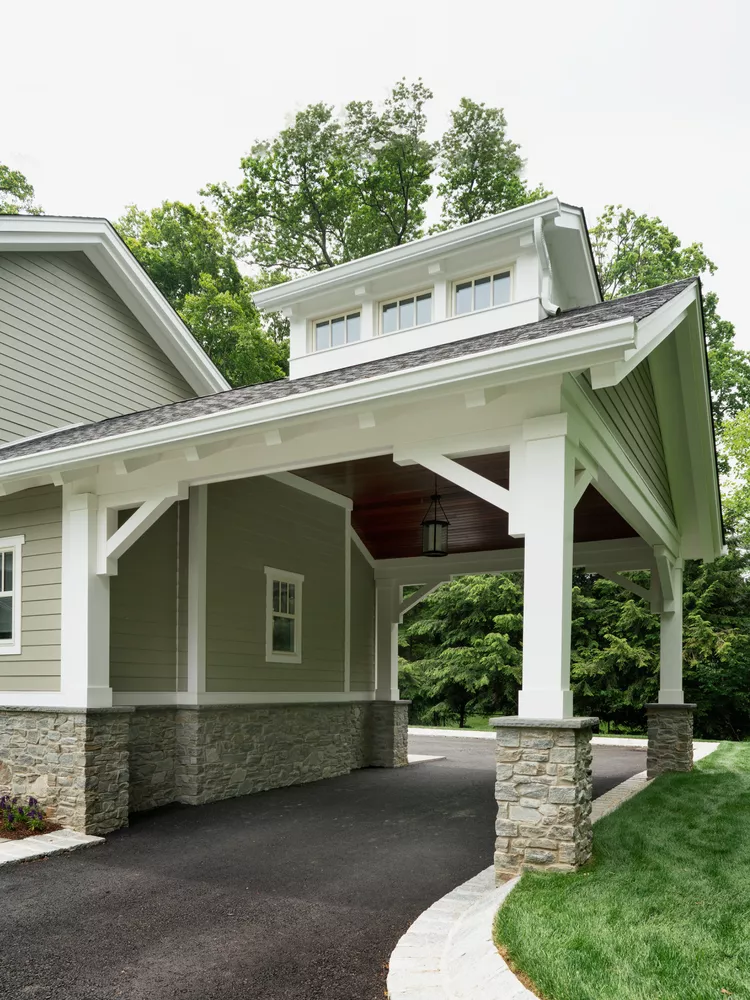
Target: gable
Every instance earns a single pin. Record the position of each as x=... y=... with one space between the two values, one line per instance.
x=72 y=352
x=629 y=411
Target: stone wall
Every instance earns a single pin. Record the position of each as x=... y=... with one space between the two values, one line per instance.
x=90 y=769
x=75 y=762
x=543 y=792
x=670 y=738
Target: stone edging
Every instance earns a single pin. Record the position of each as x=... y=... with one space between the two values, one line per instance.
x=449 y=953
x=14 y=851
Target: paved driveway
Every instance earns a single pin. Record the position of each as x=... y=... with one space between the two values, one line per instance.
x=294 y=893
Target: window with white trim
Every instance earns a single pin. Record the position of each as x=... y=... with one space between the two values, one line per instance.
x=335 y=331
x=403 y=314
x=283 y=616
x=482 y=292
x=10 y=594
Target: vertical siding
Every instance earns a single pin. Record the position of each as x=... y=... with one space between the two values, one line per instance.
x=143 y=611
x=363 y=623
x=629 y=410
x=258 y=522
x=37 y=514
x=71 y=350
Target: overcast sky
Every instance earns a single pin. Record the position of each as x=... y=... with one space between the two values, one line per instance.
x=640 y=102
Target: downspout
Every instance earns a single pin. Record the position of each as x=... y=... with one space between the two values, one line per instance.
x=545 y=264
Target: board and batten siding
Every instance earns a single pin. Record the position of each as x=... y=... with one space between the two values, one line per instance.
x=72 y=351
x=362 y=647
x=629 y=411
x=144 y=602
x=36 y=514
x=258 y=522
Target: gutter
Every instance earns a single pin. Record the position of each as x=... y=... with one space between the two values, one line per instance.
x=542 y=252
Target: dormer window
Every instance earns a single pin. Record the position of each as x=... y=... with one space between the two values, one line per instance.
x=403 y=314
x=337 y=330
x=481 y=293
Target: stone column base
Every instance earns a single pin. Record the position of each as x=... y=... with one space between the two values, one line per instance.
x=543 y=793
x=389 y=733
x=670 y=738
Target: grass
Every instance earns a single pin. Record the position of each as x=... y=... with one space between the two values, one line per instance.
x=663 y=910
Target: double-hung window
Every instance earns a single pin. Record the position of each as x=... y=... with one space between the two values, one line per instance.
x=481 y=293
x=403 y=314
x=10 y=594
x=283 y=616
x=335 y=331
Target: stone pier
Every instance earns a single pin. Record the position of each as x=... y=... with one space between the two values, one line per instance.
x=543 y=791
x=670 y=738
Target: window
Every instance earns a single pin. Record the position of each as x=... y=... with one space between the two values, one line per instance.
x=402 y=314
x=482 y=293
x=10 y=594
x=283 y=616
x=337 y=331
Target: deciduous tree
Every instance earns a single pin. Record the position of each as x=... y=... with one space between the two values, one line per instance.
x=16 y=193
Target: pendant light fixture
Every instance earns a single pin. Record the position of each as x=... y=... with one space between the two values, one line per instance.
x=435 y=528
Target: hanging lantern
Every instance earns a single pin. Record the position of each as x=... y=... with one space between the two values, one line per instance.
x=435 y=528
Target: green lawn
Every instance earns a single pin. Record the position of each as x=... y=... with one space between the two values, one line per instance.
x=663 y=910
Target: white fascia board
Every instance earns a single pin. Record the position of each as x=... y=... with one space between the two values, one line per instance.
x=110 y=256
x=425 y=249
x=557 y=354
x=573 y=218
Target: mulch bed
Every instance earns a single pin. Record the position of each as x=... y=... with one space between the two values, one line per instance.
x=23 y=833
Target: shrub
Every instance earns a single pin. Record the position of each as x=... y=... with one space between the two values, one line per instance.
x=16 y=816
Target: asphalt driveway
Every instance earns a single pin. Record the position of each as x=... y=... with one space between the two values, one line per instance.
x=295 y=893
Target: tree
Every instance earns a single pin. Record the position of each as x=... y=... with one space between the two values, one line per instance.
x=16 y=193
x=480 y=167
x=331 y=188
x=636 y=252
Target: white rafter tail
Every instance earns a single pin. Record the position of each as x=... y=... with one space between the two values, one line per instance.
x=413 y=599
x=125 y=466
x=272 y=438
x=459 y=475
x=366 y=420
x=583 y=480
x=211 y=448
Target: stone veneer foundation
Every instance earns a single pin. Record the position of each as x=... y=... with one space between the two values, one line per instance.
x=543 y=792
x=90 y=769
x=670 y=738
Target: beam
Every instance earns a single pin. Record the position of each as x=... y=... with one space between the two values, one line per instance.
x=409 y=602
x=622 y=581
x=470 y=481
x=114 y=542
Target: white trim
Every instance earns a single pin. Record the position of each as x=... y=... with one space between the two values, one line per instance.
x=115 y=542
x=124 y=698
x=347 y=601
x=306 y=486
x=497 y=272
x=99 y=241
x=14 y=544
x=362 y=547
x=397 y=300
x=283 y=576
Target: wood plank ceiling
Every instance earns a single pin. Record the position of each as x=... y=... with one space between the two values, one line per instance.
x=390 y=501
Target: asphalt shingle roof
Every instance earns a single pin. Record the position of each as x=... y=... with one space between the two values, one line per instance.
x=638 y=306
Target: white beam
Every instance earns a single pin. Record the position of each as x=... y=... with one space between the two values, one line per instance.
x=622 y=581
x=114 y=542
x=582 y=483
x=409 y=602
x=470 y=481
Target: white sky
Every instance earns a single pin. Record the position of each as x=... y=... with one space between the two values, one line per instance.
x=643 y=102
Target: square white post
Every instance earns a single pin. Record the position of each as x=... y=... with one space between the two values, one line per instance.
x=84 y=652
x=548 y=504
x=386 y=640
x=670 y=664
x=197 y=557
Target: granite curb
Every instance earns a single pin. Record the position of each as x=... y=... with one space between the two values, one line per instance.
x=14 y=851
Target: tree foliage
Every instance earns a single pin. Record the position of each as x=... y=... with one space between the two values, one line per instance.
x=480 y=167
x=16 y=193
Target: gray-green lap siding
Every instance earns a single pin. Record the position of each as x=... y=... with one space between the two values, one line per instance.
x=71 y=349
x=36 y=514
x=254 y=523
x=362 y=657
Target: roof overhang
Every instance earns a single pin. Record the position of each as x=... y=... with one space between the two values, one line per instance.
x=100 y=242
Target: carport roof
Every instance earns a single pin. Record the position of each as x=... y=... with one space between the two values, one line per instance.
x=636 y=307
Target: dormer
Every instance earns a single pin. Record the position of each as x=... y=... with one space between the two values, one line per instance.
x=496 y=274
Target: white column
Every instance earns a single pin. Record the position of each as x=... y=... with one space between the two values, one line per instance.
x=84 y=641
x=386 y=640
x=196 y=603
x=549 y=477
x=670 y=664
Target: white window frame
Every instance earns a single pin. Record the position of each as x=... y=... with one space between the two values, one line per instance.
x=473 y=278
x=14 y=544
x=398 y=299
x=283 y=576
x=341 y=314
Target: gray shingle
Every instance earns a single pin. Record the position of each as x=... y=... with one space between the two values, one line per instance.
x=638 y=306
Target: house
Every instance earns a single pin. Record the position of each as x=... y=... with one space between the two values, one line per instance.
x=202 y=585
